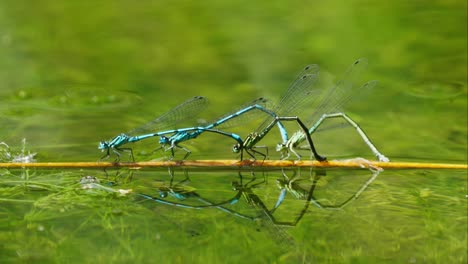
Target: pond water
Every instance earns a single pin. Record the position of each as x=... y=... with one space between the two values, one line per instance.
x=74 y=74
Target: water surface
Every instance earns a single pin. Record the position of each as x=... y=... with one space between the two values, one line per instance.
x=73 y=74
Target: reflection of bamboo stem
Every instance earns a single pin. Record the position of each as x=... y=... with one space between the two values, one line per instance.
x=236 y=164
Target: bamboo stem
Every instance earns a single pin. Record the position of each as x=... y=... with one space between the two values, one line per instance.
x=355 y=163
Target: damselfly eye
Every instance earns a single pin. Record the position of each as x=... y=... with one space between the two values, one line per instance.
x=236 y=148
x=103 y=145
x=163 y=140
x=235 y=185
x=280 y=146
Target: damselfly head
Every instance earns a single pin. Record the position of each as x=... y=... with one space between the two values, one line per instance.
x=163 y=140
x=281 y=183
x=236 y=148
x=103 y=145
x=235 y=185
x=280 y=147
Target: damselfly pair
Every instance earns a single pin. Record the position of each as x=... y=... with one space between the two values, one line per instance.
x=304 y=90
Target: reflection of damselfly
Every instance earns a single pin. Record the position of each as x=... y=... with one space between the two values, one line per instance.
x=294 y=186
x=263 y=213
x=185 y=195
x=181 y=192
x=329 y=105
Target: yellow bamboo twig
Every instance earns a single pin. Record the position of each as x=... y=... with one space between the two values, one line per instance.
x=354 y=163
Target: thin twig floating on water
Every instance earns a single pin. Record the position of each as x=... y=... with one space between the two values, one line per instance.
x=353 y=163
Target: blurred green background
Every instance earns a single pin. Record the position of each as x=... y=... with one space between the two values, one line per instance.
x=73 y=73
